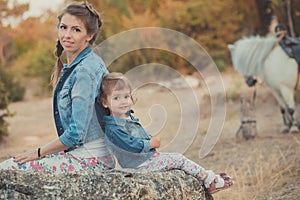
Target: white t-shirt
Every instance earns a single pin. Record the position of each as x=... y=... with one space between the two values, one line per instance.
x=96 y=148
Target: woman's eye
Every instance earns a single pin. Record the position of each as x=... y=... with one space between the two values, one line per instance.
x=127 y=96
x=76 y=30
x=62 y=27
x=115 y=98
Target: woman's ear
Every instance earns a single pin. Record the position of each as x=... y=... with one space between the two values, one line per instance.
x=90 y=37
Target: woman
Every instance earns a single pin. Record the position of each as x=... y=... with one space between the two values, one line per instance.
x=80 y=144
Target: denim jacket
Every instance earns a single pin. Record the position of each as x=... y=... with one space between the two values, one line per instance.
x=128 y=141
x=74 y=105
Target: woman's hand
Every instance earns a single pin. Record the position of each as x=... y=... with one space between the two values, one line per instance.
x=27 y=156
x=154 y=142
x=52 y=147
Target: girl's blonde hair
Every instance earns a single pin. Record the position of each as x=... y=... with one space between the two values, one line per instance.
x=113 y=81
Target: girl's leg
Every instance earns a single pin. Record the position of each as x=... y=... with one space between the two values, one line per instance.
x=168 y=161
x=57 y=163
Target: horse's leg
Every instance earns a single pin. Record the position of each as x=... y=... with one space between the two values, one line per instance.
x=280 y=74
x=287 y=94
x=283 y=113
x=287 y=118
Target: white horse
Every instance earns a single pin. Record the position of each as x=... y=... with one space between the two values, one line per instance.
x=262 y=57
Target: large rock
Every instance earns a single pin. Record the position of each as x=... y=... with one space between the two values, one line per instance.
x=114 y=184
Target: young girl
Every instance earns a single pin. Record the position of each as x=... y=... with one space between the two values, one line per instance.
x=134 y=147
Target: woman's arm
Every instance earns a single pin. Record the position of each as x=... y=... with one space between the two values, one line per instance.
x=52 y=147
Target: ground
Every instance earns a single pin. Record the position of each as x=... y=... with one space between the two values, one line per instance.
x=266 y=167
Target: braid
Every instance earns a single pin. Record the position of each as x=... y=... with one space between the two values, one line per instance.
x=94 y=22
x=99 y=21
x=59 y=64
x=59 y=49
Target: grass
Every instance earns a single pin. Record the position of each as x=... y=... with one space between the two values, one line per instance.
x=265 y=173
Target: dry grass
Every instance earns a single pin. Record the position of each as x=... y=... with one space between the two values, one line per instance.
x=264 y=168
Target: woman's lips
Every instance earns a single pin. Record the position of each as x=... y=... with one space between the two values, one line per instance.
x=67 y=43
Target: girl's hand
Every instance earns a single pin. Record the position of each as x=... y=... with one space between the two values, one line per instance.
x=27 y=156
x=154 y=142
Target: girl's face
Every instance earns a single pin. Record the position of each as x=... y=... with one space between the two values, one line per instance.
x=72 y=34
x=119 y=102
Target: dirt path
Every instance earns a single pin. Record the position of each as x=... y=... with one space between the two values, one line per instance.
x=267 y=167
x=31 y=126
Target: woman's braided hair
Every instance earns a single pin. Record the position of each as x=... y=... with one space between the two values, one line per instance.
x=92 y=21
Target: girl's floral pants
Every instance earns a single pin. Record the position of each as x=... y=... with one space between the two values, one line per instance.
x=169 y=161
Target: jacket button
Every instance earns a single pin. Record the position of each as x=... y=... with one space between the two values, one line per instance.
x=56 y=112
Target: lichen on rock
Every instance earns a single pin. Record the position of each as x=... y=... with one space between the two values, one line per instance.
x=114 y=184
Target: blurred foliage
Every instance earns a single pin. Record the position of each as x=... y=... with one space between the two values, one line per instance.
x=15 y=10
x=15 y=91
x=4 y=112
x=26 y=50
x=40 y=64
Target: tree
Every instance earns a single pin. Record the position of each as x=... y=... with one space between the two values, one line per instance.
x=15 y=10
x=212 y=23
x=286 y=12
x=6 y=41
x=292 y=16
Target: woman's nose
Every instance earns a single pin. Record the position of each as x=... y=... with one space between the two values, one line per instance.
x=67 y=33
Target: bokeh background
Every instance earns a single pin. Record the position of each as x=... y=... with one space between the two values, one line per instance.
x=267 y=167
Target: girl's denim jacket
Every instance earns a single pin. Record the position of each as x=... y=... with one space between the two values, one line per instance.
x=74 y=111
x=128 y=141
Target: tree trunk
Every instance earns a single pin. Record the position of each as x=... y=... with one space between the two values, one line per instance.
x=289 y=18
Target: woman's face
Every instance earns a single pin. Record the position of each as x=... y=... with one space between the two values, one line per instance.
x=72 y=34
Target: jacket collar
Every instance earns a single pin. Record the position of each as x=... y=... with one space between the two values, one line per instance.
x=80 y=56
x=119 y=121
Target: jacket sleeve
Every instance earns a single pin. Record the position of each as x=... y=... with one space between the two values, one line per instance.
x=127 y=142
x=83 y=97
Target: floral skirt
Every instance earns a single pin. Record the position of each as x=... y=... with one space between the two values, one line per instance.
x=59 y=163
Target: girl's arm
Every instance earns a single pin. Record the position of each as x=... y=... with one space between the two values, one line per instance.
x=52 y=147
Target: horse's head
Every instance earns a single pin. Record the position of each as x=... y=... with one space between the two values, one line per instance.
x=248 y=55
x=250 y=80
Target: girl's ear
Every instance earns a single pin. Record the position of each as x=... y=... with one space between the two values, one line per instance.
x=104 y=103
